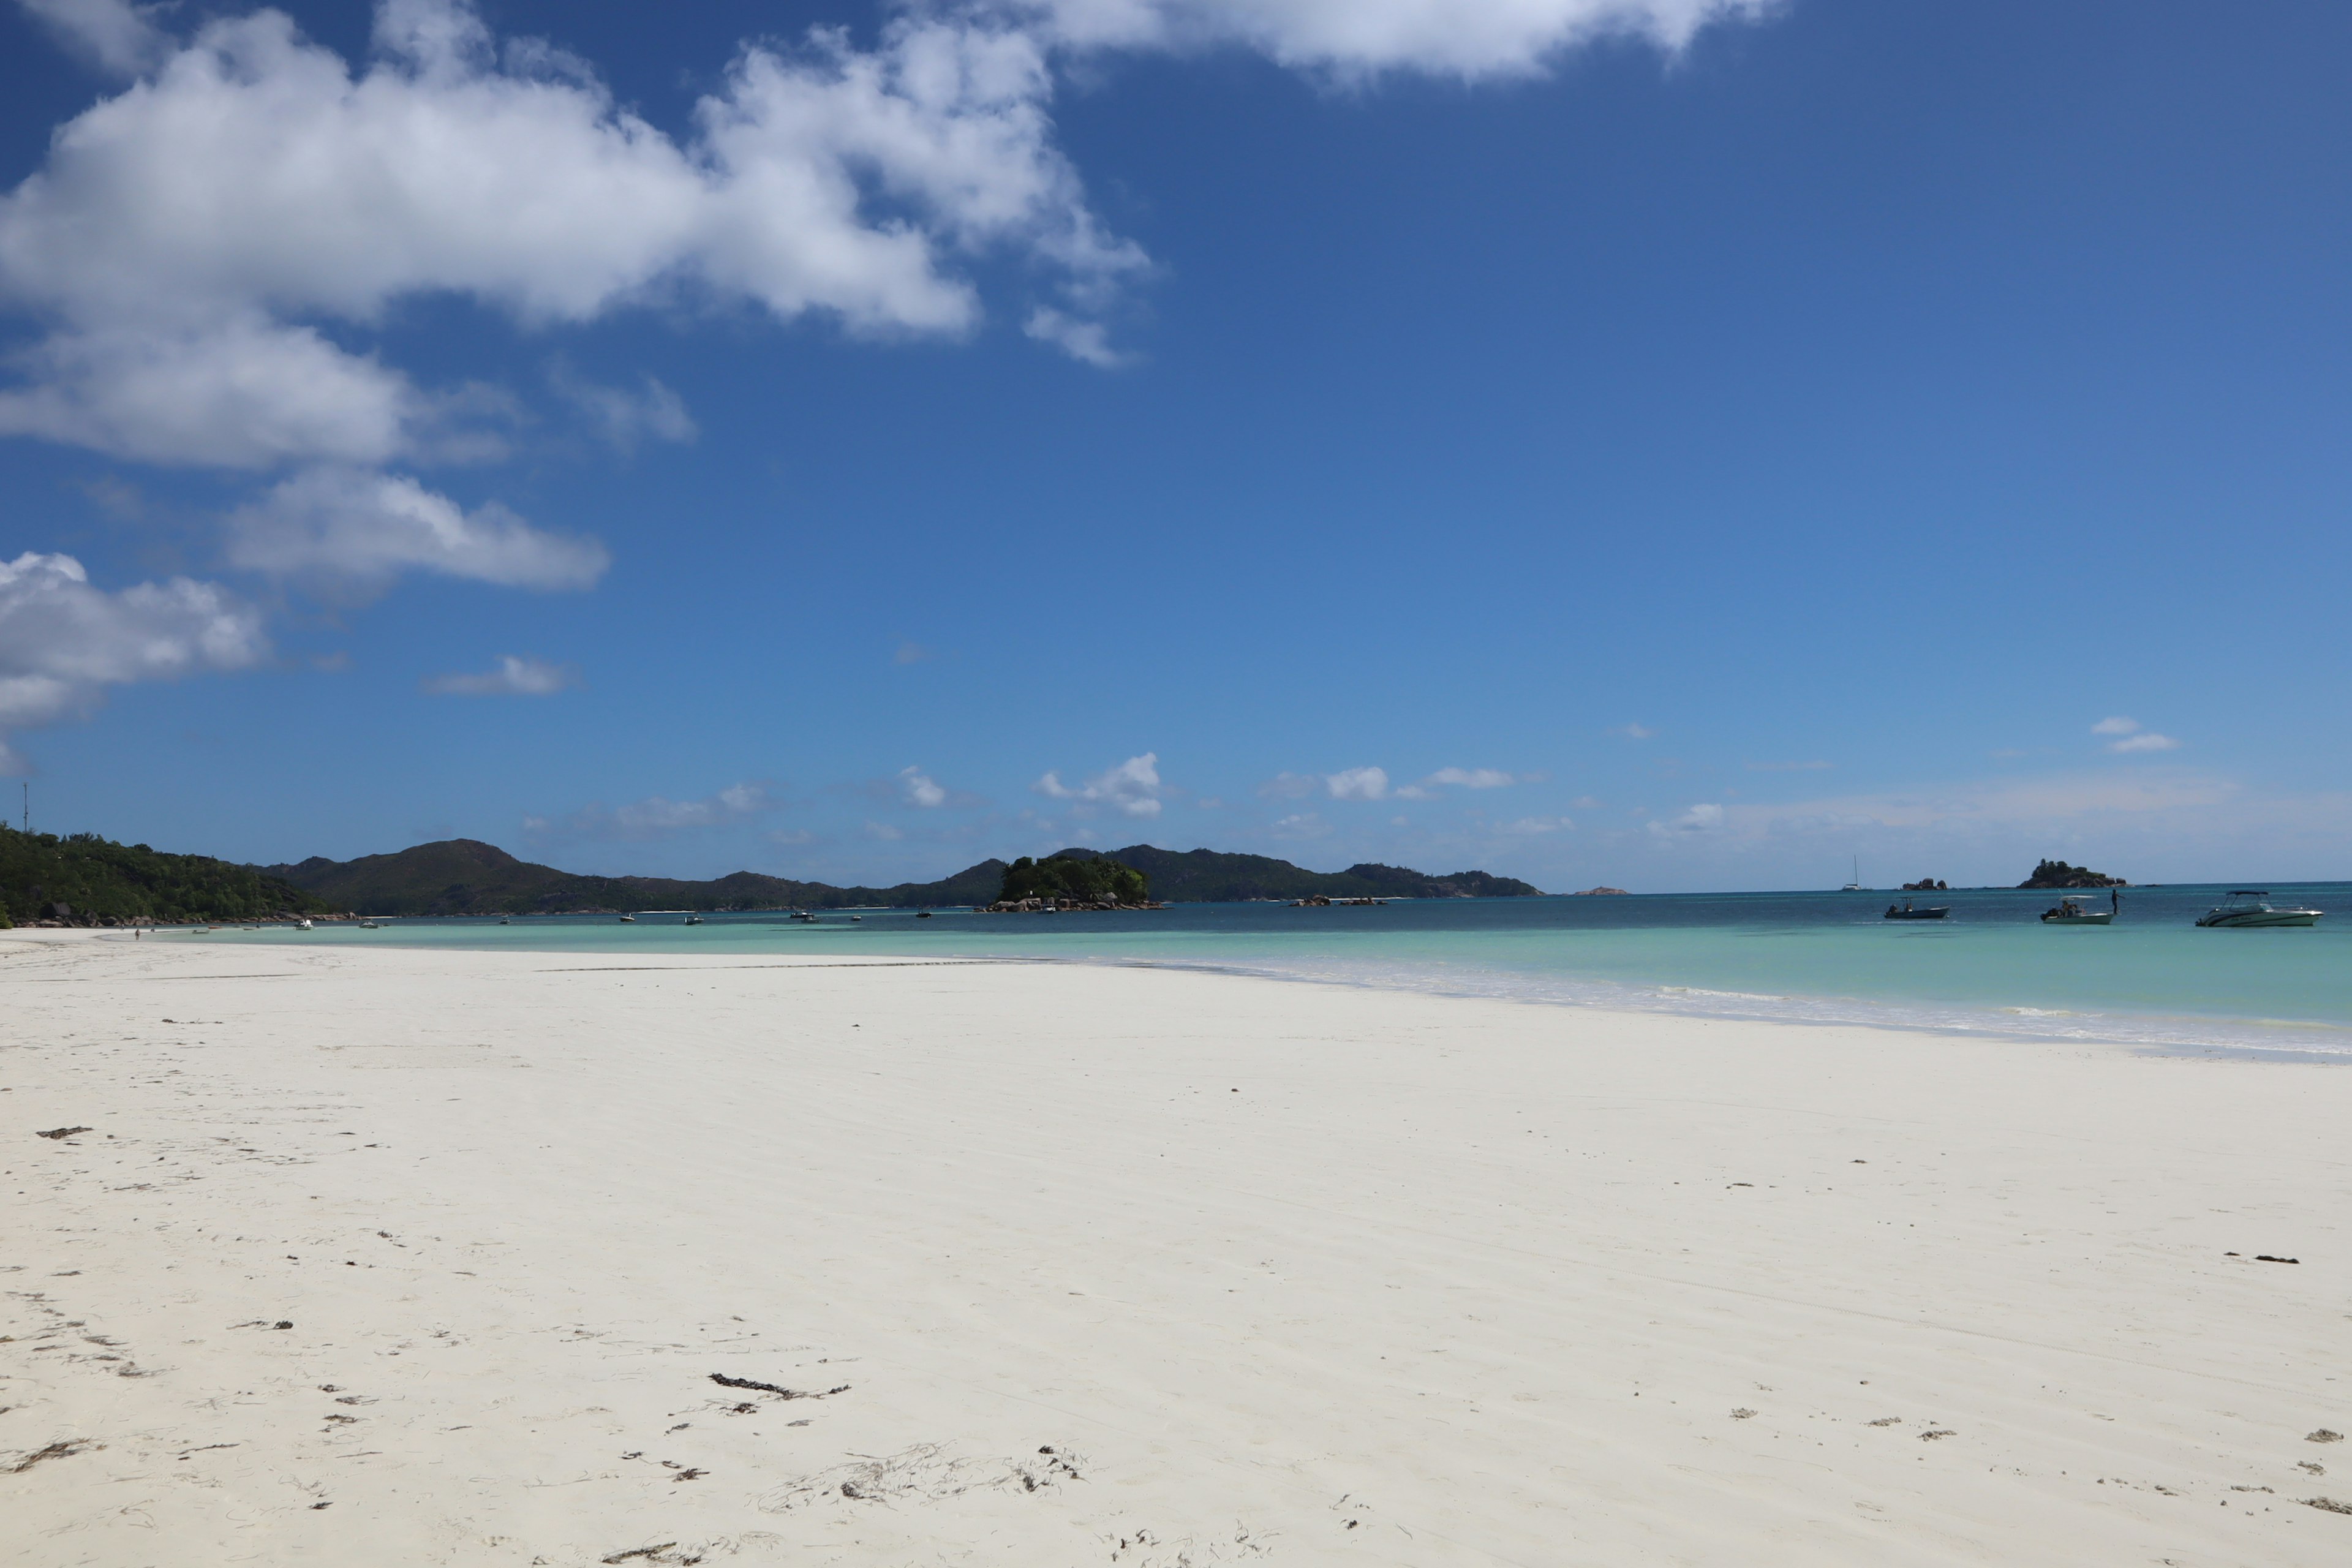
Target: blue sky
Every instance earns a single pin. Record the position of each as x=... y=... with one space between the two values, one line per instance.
x=1662 y=443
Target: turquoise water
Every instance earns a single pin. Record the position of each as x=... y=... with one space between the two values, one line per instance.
x=2151 y=979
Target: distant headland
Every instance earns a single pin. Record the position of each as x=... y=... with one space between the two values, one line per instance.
x=2058 y=874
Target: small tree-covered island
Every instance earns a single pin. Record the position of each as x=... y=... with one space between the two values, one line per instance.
x=2058 y=874
x=1064 y=881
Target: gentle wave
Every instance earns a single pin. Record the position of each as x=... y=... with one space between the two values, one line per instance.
x=2193 y=1035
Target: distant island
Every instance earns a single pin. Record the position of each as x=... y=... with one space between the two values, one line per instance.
x=467 y=877
x=1073 y=881
x=2058 y=874
x=1925 y=885
x=1601 y=893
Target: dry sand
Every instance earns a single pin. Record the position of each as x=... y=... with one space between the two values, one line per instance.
x=398 y=1256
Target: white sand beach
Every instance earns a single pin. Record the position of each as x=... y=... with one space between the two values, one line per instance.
x=406 y=1256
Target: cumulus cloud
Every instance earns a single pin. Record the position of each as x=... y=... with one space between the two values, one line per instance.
x=1472 y=778
x=1133 y=786
x=1357 y=784
x=351 y=533
x=2118 y=725
x=1534 y=824
x=512 y=675
x=922 y=790
x=658 y=816
x=187 y=238
x=113 y=34
x=63 y=642
x=1448 y=37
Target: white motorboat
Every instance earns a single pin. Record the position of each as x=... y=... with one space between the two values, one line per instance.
x=2248 y=908
x=628 y=919
x=693 y=919
x=2071 y=912
x=370 y=925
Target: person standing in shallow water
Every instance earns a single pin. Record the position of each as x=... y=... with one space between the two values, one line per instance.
x=2114 y=901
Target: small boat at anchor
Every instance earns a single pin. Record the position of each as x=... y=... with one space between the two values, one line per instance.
x=2071 y=912
x=1908 y=913
x=2251 y=908
x=694 y=919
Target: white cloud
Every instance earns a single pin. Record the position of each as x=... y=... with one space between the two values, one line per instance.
x=922 y=790
x=1634 y=732
x=657 y=816
x=1500 y=37
x=1290 y=786
x=1357 y=784
x=1472 y=778
x=883 y=831
x=351 y=533
x=185 y=238
x=1534 y=824
x=114 y=35
x=622 y=418
x=1700 y=818
x=512 y=675
x=62 y=641
x=1133 y=786
x=1301 y=825
x=2118 y=725
x=1087 y=342
x=239 y=392
x=2146 y=741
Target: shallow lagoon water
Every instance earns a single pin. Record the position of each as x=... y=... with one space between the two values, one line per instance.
x=2151 y=979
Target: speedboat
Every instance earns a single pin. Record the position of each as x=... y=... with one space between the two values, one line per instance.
x=628 y=919
x=694 y=919
x=2249 y=907
x=301 y=925
x=1908 y=913
x=370 y=925
x=2071 y=912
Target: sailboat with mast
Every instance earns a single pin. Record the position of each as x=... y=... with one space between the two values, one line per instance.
x=1855 y=885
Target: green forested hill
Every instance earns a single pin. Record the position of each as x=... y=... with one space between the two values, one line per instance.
x=1206 y=875
x=99 y=881
x=465 y=876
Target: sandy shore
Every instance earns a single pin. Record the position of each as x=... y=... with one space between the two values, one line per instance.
x=391 y=1256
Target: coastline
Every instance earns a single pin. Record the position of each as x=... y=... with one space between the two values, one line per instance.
x=1283 y=1273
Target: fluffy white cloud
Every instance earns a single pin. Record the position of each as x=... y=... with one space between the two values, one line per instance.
x=186 y=237
x=115 y=35
x=1535 y=825
x=1357 y=784
x=1133 y=786
x=1472 y=778
x=512 y=675
x=2118 y=725
x=239 y=392
x=923 y=790
x=351 y=533
x=62 y=641
x=1453 y=38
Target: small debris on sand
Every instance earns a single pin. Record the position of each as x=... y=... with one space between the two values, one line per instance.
x=640 y=1551
x=1933 y=1433
x=2266 y=1258
x=2324 y=1435
x=54 y=1451
x=1886 y=1421
x=1742 y=1413
x=724 y=1381
x=61 y=1133
x=2328 y=1504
